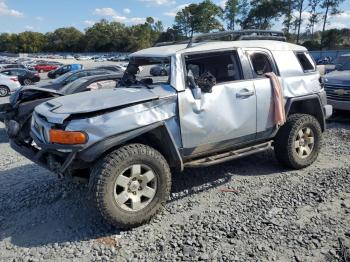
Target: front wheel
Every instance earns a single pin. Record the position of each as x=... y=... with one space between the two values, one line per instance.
x=4 y=91
x=298 y=142
x=131 y=184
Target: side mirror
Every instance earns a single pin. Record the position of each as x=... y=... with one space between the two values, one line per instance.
x=196 y=91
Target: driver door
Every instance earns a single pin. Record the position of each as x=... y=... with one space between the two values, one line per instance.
x=223 y=117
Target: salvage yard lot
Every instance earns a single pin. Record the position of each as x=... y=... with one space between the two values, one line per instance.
x=277 y=214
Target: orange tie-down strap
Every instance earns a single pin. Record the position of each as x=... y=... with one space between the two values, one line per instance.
x=280 y=114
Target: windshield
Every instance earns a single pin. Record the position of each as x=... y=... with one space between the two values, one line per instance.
x=147 y=71
x=62 y=78
x=341 y=60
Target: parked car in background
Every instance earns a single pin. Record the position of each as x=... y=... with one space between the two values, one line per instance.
x=25 y=77
x=8 y=84
x=337 y=85
x=337 y=63
x=64 y=69
x=70 y=77
x=45 y=67
x=83 y=58
x=114 y=68
x=18 y=112
x=160 y=70
x=5 y=66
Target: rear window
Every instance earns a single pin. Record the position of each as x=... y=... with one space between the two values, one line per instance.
x=306 y=62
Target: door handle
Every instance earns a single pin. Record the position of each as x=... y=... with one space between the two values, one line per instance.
x=245 y=93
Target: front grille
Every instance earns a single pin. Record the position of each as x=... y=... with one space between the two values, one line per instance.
x=338 y=92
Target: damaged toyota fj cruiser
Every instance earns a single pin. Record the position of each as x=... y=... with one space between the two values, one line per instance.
x=216 y=105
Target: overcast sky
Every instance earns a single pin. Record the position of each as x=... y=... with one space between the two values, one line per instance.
x=47 y=15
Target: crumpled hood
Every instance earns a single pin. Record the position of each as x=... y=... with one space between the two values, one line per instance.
x=87 y=102
x=338 y=78
x=58 y=109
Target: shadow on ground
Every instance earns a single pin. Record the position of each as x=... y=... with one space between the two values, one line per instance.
x=38 y=209
x=3 y=136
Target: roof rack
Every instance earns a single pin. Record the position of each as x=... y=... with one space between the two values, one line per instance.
x=231 y=36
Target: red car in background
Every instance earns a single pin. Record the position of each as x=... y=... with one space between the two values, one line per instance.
x=45 y=67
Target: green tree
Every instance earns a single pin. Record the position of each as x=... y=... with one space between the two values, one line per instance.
x=332 y=39
x=331 y=7
x=288 y=8
x=106 y=36
x=31 y=42
x=199 y=18
x=262 y=13
x=301 y=8
x=8 y=43
x=314 y=16
x=230 y=13
x=65 y=39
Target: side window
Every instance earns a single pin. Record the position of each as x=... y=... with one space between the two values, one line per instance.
x=223 y=66
x=6 y=73
x=261 y=64
x=306 y=61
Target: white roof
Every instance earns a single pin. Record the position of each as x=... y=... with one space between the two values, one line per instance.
x=166 y=51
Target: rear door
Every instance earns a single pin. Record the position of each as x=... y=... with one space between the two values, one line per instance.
x=262 y=62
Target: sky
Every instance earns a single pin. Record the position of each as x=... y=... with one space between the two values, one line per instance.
x=47 y=15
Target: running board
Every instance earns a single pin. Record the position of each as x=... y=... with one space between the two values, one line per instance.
x=227 y=156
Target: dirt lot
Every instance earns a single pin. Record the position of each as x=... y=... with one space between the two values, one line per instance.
x=276 y=215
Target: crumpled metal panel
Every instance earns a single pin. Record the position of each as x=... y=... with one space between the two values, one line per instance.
x=295 y=82
x=126 y=119
x=295 y=86
x=57 y=110
x=217 y=116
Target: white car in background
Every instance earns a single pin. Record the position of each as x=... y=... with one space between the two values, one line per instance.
x=8 y=85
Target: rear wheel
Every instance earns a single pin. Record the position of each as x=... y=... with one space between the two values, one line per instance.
x=131 y=185
x=298 y=142
x=4 y=91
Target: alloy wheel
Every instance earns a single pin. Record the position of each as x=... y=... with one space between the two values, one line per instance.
x=135 y=187
x=304 y=142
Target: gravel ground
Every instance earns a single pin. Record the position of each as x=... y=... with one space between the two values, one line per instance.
x=272 y=213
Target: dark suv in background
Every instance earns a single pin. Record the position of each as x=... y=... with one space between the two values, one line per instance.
x=337 y=84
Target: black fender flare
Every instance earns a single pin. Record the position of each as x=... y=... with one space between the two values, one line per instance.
x=318 y=111
x=170 y=152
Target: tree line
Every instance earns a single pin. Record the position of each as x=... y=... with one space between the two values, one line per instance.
x=204 y=17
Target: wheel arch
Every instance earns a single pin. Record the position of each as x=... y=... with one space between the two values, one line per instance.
x=307 y=105
x=155 y=135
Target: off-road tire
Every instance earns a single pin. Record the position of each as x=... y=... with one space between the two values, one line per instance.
x=6 y=91
x=284 y=144
x=104 y=176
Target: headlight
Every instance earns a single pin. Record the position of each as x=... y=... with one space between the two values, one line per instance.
x=67 y=137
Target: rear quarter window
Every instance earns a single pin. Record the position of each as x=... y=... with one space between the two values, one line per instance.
x=306 y=61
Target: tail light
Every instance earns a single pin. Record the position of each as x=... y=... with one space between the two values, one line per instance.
x=14 y=79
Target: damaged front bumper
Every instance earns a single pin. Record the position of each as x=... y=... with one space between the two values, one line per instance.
x=56 y=158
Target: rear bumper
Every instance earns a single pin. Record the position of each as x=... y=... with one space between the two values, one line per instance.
x=340 y=105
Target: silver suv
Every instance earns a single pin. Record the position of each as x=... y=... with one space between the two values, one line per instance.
x=216 y=105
